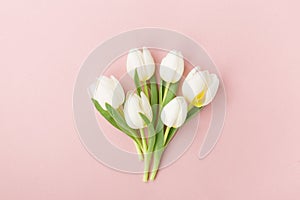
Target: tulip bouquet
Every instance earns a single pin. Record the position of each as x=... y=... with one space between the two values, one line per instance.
x=152 y=113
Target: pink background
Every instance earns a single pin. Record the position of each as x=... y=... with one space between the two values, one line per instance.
x=255 y=45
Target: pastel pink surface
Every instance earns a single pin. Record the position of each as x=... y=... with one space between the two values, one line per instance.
x=255 y=45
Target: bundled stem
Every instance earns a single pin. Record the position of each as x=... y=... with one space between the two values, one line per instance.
x=166 y=134
x=156 y=163
x=166 y=94
x=139 y=151
x=147 y=161
x=144 y=141
x=151 y=143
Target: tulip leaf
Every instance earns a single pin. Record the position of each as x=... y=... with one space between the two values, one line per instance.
x=171 y=93
x=158 y=147
x=192 y=112
x=122 y=123
x=153 y=91
x=111 y=120
x=158 y=152
x=161 y=91
x=151 y=132
x=105 y=114
x=137 y=82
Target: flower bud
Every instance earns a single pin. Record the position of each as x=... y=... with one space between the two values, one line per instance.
x=109 y=90
x=175 y=112
x=171 y=67
x=200 y=87
x=135 y=105
x=142 y=62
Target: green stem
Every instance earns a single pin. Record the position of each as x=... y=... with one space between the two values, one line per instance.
x=159 y=141
x=165 y=92
x=137 y=140
x=147 y=165
x=144 y=142
x=139 y=151
x=158 y=147
x=156 y=163
x=158 y=154
x=166 y=134
x=146 y=89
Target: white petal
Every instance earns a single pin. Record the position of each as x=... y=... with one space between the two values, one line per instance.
x=182 y=112
x=171 y=60
x=169 y=113
x=212 y=89
x=175 y=112
x=118 y=93
x=187 y=91
x=104 y=91
x=136 y=108
x=146 y=107
x=126 y=113
x=133 y=108
x=179 y=68
x=206 y=77
x=194 y=84
x=198 y=83
x=134 y=60
x=192 y=73
x=149 y=63
x=142 y=72
x=171 y=67
x=165 y=72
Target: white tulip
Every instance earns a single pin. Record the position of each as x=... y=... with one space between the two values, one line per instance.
x=175 y=112
x=171 y=67
x=142 y=62
x=200 y=87
x=109 y=90
x=133 y=106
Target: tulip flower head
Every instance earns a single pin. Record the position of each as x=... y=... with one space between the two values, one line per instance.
x=141 y=61
x=175 y=112
x=109 y=90
x=135 y=105
x=200 y=87
x=171 y=67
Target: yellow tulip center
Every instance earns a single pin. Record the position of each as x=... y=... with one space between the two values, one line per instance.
x=199 y=99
